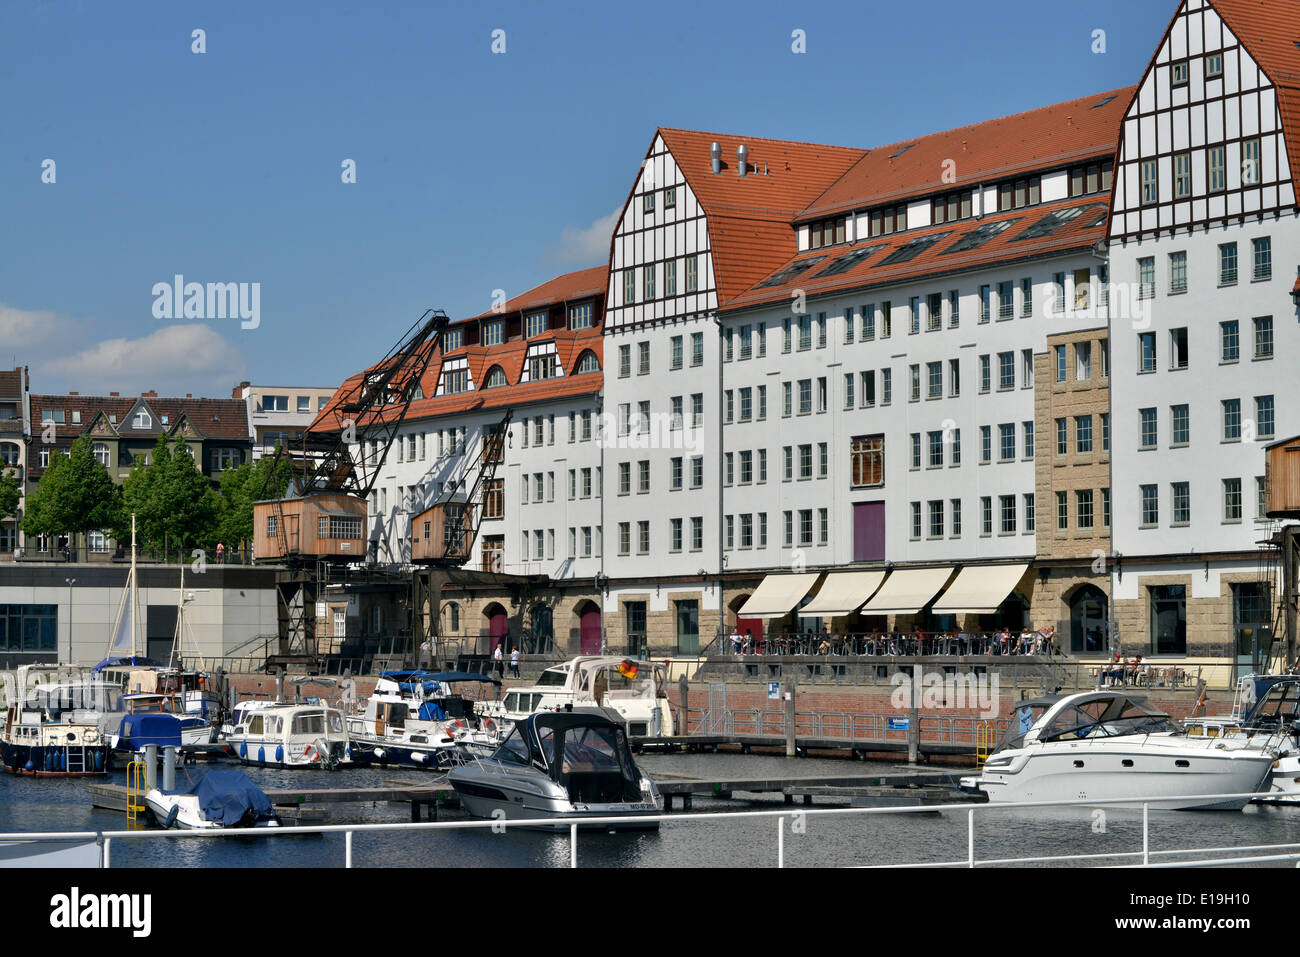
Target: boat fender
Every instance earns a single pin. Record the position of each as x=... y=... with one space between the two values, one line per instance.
x=243 y=749
x=261 y=755
x=28 y=766
x=171 y=816
x=379 y=753
x=279 y=754
x=418 y=757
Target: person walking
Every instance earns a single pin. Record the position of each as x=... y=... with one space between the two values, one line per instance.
x=514 y=662
x=499 y=662
x=221 y=553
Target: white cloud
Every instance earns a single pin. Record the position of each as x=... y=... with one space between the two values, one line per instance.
x=35 y=330
x=585 y=246
x=174 y=360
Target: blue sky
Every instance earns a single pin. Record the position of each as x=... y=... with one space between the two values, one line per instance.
x=475 y=171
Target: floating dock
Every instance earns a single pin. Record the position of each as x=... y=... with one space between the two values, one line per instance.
x=858 y=747
x=901 y=789
x=112 y=797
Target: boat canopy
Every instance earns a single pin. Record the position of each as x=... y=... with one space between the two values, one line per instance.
x=1024 y=715
x=427 y=680
x=1100 y=715
x=228 y=797
x=586 y=753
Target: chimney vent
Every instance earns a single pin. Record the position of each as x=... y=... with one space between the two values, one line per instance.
x=742 y=159
x=715 y=152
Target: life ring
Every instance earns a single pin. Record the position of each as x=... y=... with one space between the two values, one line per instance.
x=455 y=727
x=489 y=726
x=91 y=735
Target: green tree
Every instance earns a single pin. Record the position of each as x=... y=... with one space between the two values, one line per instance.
x=173 y=502
x=240 y=488
x=75 y=494
x=10 y=493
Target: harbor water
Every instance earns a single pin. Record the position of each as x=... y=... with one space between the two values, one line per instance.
x=32 y=804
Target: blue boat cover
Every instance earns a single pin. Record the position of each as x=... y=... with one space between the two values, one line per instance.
x=447 y=677
x=160 y=728
x=225 y=797
x=430 y=711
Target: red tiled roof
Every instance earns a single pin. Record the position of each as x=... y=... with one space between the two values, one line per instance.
x=749 y=216
x=1270 y=29
x=11 y=384
x=569 y=347
x=212 y=418
x=1080 y=232
x=1048 y=137
x=572 y=285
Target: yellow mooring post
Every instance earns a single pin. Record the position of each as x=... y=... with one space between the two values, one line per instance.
x=136 y=786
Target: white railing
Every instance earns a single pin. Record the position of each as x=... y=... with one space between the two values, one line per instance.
x=1138 y=858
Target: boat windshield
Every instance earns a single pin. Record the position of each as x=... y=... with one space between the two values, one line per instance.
x=309 y=722
x=1105 y=717
x=589 y=749
x=551 y=677
x=513 y=750
x=1279 y=707
x=1023 y=717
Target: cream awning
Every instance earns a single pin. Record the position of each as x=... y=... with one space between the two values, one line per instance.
x=907 y=590
x=979 y=589
x=776 y=595
x=842 y=593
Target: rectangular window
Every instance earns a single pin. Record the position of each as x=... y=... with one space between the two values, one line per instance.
x=1147 y=428
x=1006 y=371
x=934 y=379
x=1062 y=512
x=1006 y=442
x=886 y=386
x=936 y=518
x=1146 y=352
x=954 y=309
x=675 y=356
x=1146 y=277
x=956 y=517
x=1232 y=500
x=1150 y=505
x=985 y=303
x=1262 y=257
x=1229 y=341
x=1231 y=420
x=934 y=312
x=1007 y=506
x=1059 y=352
x=1263 y=337
x=986 y=444
x=1150 y=184
x=954 y=378
x=670 y=277
x=1006 y=300
x=867 y=461
x=1029 y=511
x=1062 y=437
x=1178 y=272
x=986 y=373
x=1227 y=264
x=1083 y=508
x=697 y=348
x=1178 y=348
x=935 y=442
x=986 y=515
x=1182 y=175
x=1027 y=428
x=1181 y=500
x=642 y=358
x=1083 y=361
x=1083 y=434
x=1263 y=416
x=1217 y=177
x=692 y=274
x=648 y=282
x=1181 y=420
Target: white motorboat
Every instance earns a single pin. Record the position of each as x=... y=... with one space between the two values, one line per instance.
x=291 y=736
x=1102 y=745
x=637 y=691
x=220 y=799
x=1266 y=711
x=554 y=767
x=415 y=718
x=52 y=726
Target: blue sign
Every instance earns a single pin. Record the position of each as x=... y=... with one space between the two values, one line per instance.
x=774 y=691
x=899 y=724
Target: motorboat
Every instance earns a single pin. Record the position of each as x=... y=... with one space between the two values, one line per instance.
x=161 y=719
x=555 y=767
x=240 y=713
x=1266 y=710
x=52 y=724
x=417 y=719
x=637 y=691
x=220 y=799
x=292 y=736
x=1103 y=745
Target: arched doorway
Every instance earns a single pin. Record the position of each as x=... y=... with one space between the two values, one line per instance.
x=498 y=623
x=745 y=626
x=1089 y=608
x=589 y=642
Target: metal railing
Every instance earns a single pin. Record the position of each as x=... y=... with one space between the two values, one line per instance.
x=841 y=725
x=1145 y=856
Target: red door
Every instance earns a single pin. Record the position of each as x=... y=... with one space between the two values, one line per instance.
x=590 y=631
x=750 y=626
x=498 y=627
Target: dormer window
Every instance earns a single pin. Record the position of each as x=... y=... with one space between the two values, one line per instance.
x=493 y=332
x=889 y=219
x=52 y=415
x=142 y=420
x=76 y=416
x=952 y=207
x=452 y=339
x=827 y=232
x=535 y=324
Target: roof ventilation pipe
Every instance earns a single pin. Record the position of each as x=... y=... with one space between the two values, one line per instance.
x=742 y=159
x=715 y=151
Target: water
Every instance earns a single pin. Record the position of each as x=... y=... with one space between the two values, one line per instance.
x=34 y=804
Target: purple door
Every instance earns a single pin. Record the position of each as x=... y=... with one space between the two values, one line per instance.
x=868 y=531
x=590 y=631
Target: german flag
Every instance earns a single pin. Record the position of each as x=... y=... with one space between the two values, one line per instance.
x=627 y=669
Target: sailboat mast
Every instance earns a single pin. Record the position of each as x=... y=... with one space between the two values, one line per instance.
x=134 y=599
